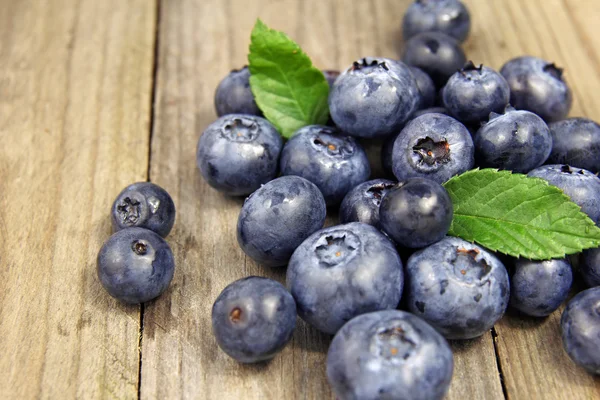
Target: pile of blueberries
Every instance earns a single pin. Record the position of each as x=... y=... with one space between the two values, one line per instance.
x=438 y=116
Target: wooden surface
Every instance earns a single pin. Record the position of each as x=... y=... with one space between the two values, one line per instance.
x=77 y=81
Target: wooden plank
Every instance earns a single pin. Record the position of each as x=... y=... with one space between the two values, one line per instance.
x=199 y=43
x=532 y=359
x=75 y=85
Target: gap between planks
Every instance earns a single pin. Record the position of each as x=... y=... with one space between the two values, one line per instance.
x=153 y=89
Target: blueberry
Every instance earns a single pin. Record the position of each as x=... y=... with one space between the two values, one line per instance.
x=343 y=271
x=439 y=55
x=373 y=97
x=516 y=140
x=361 y=204
x=233 y=95
x=331 y=76
x=144 y=205
x=387 y=148
x=389 y=355
x=135 y=265
x=538 y=288
x=580 y=325
x=426 y=88
x=253 y=319
x=332 y=161
x=432 y=146
x=458 y=287
x=276 y=218
x=576 y=141
x=538 y=86
x=472 y=93
x=589 y=267
x=238 y=153
x=446 y=16
x=582 y=186
x=416 y=213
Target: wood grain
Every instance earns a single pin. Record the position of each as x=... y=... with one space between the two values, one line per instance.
x=198 y=44
x=75 y=84
x=533 y=362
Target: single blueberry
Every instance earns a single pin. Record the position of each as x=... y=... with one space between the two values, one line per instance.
x=276 y=218
x=135 y=265
x=234 y=96
x=458 y=287
x=238 y=153
x=387 y=148
x=580 y=325
x=331 y=75
x=432 y=146
x=426 y=88
x=576 y=141
x=373 y=97
x=253 y=319
x=389 y=354
x=144 y=205
x=589 y=267
x=343 y=271
x=472 y=93
x=446 y=16
x=323 y=155
x=582 y=186
x=439 y=55
x=361 y=204
x=538 y=86
x=516 y=140
x=538 y=288
x=416 y=213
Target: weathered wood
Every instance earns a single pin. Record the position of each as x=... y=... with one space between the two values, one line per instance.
x=199 y=44
x=75 y=85
x=75 y=88
x=533 y=362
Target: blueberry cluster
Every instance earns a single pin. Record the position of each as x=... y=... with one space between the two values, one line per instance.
x=439 y=116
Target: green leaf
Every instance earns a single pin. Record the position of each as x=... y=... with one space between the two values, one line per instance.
x=288 y=89
x=518 y=216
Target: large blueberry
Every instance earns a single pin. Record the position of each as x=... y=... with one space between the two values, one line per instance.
x=437 y=54
x=589 y=267
x=472 y=93
x=361 y=204
x=580 y=325
x=389 y=354
x=582 y=186
x=447 y=16
x=426 y=88
x=343 y=271
x=373 y=97
x=135 y=265
x=516 y=140
x=458 y=287
x=576 y=142
x=538 y=288
x=144 y=205
x=416 y=212
x=238 y=153
x=276 y=218
x=387 y=148
x=253 y=319
x=332 y=161
x=234 y=96
x=432 y=146
x=538 y=86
